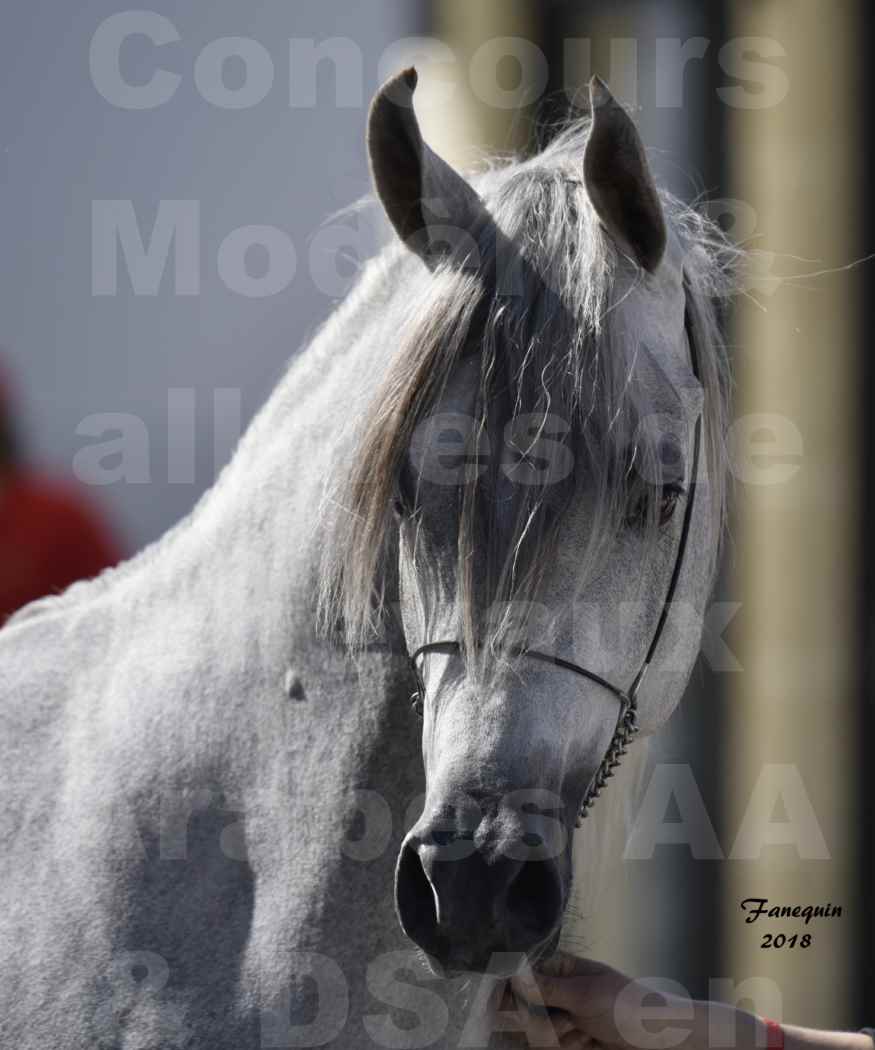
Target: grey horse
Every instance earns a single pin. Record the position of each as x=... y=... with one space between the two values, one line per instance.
x=218 y=802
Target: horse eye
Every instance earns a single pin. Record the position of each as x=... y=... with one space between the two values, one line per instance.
x=402 y=505
x=671 y=495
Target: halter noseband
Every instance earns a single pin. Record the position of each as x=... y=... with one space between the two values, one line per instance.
x=627 y=720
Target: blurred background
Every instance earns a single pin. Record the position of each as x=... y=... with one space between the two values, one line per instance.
x=169 y=179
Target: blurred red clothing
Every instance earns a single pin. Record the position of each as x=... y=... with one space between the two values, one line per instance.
x=49 y=538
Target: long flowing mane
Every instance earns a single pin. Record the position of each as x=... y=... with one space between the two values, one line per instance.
x=551 y=349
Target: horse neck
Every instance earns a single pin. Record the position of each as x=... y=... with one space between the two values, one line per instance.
x=263 y=517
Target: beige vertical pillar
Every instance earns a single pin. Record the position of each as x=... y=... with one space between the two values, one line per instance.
x=492 y=44
x=793 y=161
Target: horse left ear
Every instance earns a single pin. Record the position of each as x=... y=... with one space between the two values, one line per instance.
x=435 y=211
x=619 y=183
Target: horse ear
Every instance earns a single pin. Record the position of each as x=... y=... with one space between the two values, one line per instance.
x=435 y=211
x=619 y=183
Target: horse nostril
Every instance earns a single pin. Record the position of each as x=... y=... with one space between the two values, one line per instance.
x=415 y=900
x=463 y=906
x=533 y=902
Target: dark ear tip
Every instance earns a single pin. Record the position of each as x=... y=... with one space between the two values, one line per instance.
x=395 y=95
x=399 y=88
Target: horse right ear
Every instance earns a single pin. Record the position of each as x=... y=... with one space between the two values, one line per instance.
x=435 y=211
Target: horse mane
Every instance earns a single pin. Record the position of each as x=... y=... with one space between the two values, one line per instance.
x=553 y=348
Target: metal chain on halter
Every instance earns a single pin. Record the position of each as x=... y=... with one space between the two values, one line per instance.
x=619 y=745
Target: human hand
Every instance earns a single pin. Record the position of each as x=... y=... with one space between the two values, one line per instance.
x=577 y=1009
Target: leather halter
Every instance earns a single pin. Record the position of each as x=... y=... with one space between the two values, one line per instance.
x=627 y=720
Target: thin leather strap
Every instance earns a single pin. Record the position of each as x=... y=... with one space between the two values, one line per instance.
x=451 y=647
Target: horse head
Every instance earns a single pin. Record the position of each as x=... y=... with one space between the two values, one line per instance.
x=543 y=460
